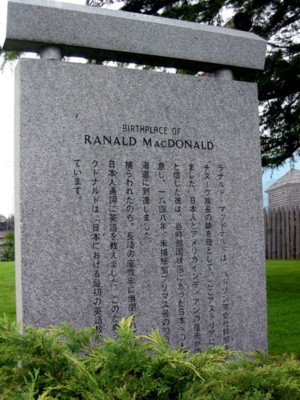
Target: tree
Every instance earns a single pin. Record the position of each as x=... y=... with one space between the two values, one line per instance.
x=8 y=247
x=7 y=224
x=97 y=3
x=3 y=223
x=278 y=22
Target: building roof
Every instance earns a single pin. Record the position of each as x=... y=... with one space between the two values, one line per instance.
x=290 y=178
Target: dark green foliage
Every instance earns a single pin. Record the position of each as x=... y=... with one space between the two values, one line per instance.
x=279 y=85
x=8 y=56
x=8 y=253
x=97 y=3
x=64 y=363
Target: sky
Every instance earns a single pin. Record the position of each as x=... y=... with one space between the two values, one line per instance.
x=7 y=142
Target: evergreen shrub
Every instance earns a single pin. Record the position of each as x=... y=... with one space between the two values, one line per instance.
x=64 y=363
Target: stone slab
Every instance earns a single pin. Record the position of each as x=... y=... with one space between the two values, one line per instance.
x=123 y=36
x=139 y=193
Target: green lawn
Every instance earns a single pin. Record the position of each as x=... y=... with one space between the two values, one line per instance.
x=283 y=287
x=7 y=289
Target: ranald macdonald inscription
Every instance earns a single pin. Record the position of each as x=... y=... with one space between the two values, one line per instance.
x=146 y=141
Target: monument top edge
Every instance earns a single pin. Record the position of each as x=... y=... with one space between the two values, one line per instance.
x=79 y=30
x=139 y=17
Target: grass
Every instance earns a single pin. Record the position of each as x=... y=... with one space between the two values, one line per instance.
x=283 y=287
x=7 y=289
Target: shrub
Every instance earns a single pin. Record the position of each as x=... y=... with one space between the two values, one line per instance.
x=8 y=253
x=64 y=363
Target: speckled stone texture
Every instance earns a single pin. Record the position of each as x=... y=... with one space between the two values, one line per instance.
x=139 y=193
x=117 y=35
